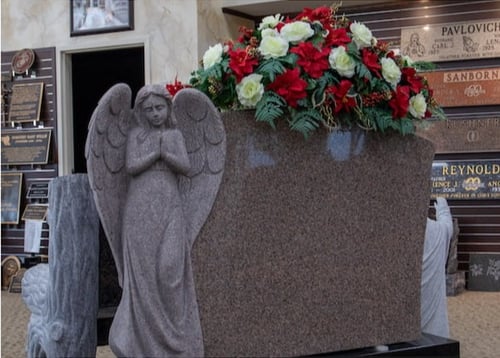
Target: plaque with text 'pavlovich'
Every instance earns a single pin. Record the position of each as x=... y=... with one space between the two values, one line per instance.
x=11 y=197
x=26 y=102
x=30 y=146
x=452 y=41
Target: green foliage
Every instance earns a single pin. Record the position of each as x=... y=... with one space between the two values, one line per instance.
x=424 y=66
x=305 y=121
x=270 y=108
x=270 y=69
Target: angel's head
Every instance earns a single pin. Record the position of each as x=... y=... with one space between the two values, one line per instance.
x=153 y=107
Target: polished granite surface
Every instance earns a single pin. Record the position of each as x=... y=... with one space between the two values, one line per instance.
x=312 y=246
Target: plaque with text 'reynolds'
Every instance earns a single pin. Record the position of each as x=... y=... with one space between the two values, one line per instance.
x=453 y=41
x=464 y=180
x=26 y=102
x=25 y=146
x=476 y=87
x=11 y=197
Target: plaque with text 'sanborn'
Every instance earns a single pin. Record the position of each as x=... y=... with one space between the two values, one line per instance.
x=474 y=87
x=464 y=180
x=26 y=102
x=452 y=41
x=30 y=146
x=11 y=197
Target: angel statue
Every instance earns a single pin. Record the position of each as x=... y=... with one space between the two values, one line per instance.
x=155 y=171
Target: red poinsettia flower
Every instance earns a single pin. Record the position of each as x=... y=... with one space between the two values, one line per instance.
x=400 y=102
x=409 y=77
x=322 y=14
x=290 y=86
x=370 y=60
x=241 y=62
x=314 y=61
x=341 y=97
x=175 y=87
x=337 y=37
x=390 y=54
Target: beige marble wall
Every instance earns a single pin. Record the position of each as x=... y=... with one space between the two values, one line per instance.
x=177 y=31
x=174 y=34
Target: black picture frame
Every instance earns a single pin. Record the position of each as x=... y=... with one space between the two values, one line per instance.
x=89 y=17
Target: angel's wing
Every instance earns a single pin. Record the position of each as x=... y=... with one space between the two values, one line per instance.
x=105 y=151
x=205 y=136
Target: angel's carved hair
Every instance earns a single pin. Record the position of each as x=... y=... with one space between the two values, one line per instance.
x=153 y=90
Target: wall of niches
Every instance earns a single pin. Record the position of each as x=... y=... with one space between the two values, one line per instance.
x=472 y=131
x=19 y=139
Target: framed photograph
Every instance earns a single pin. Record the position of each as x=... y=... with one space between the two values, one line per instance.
x=100 y=16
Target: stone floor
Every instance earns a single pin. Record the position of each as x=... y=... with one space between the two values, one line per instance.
x=474 y=321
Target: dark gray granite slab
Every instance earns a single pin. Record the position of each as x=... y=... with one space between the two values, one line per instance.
x=312 y=246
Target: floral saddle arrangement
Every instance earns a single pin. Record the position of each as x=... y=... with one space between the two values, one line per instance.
x=315 y=70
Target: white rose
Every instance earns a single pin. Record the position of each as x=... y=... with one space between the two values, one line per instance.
x=212 y=56
x=269 y=32
x=250 y=90
x=297 y=31
x=361 y=35
x=270 y=22
x=342 y=62
x=273 y=46
x=418 y=106
x=390 y=71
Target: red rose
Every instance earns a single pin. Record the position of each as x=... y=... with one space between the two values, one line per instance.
x=370 y=60
x=313 y=61
x=241 y=63
x=290 y=86
x=400 y=102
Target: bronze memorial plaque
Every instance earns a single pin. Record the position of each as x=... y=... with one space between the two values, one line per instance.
x=22 y=61
x=35 y=212
x=25 y=146
x=476 y=87
x=26 y=102
x=38 y=191
x=464 y=180
x=453 y=41
x=464 y=135
x=11 y=197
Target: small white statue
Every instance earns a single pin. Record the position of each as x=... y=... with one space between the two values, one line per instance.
x=438 y=233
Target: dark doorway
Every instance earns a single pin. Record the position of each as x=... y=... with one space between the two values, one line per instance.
x=93 y=73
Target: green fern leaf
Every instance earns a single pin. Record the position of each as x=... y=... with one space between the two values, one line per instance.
x=270 y=108
x=306 y=121
x=271 y=69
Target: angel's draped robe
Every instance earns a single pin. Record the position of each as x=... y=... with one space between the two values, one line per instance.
x=158 y=313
